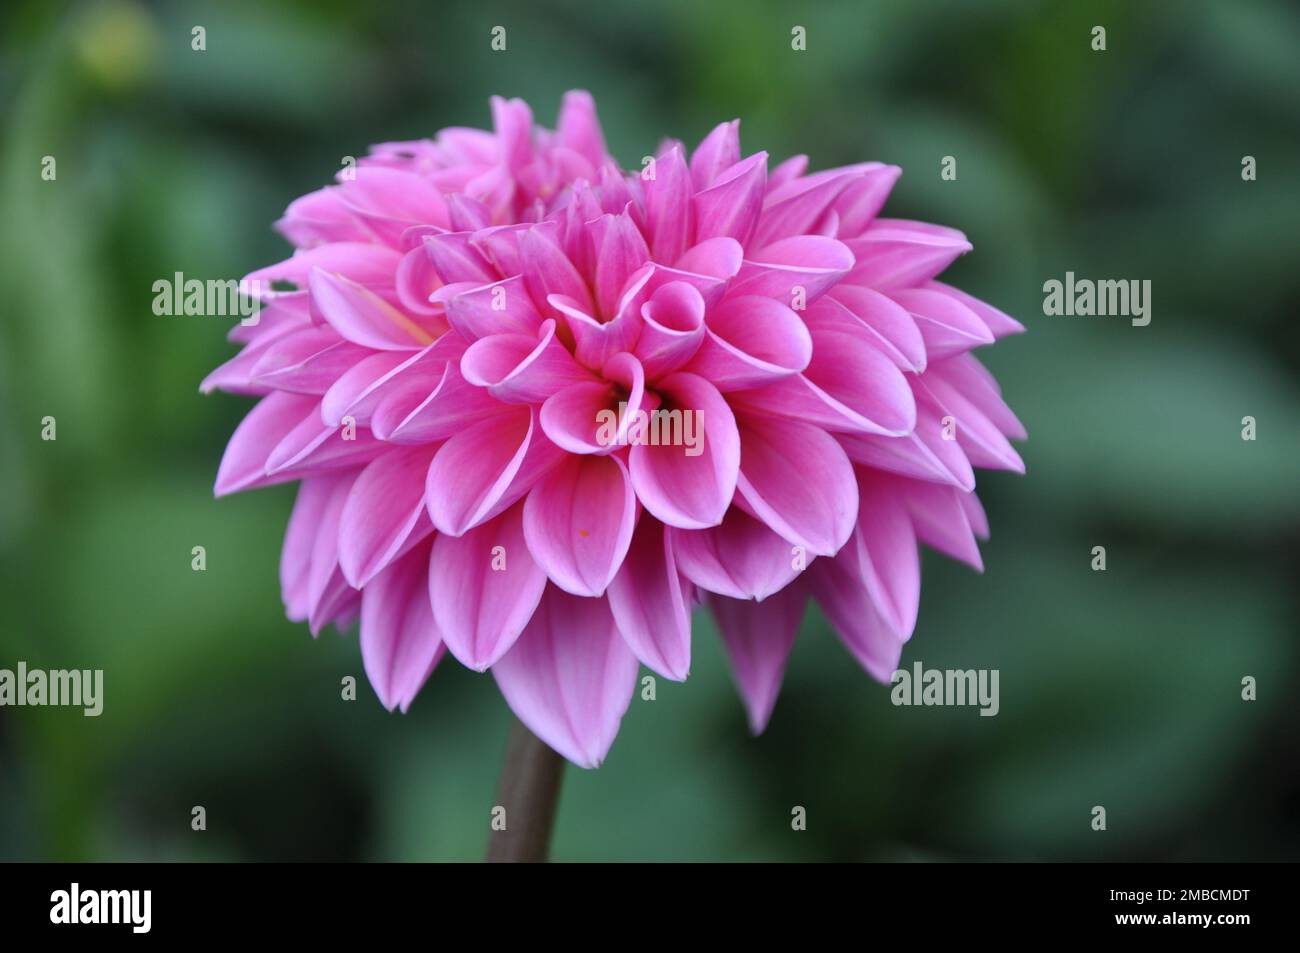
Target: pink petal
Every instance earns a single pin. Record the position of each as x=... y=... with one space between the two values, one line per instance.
x=570 y=678
x=848 y=386
x=837 y=586
x=797 y=480
x=484 y=587
x=388 y=201
x=750 y=341
x=999 y=323
x=729 y=208
x=886 y=322
x=895 y=253
x=578 y=522
x=244 y=463
x=941 y=520
x=362 y=316
x=579 y=129
x=979 y=437
x=924 y=454
x=455 y=258
x=481 y=470
x=811 y=262
x=758 y=637
x=369 y=265
x=794 y=208
x=548 y=271
x=947 y=326
x=668 y=206
x=522 y=369
x=740 y=557
x=858 y=205
x=300 y=539
x=400 y=643
x=651 y=602
x=672 y=328
x=618 y=251
x=383 y=514
x=888 y=556
x=416 y=412
x=502 y=307
x=720 y=150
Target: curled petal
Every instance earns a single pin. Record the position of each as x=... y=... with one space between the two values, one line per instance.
x=672 y=328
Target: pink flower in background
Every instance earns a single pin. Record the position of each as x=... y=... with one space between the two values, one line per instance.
x=439 y=360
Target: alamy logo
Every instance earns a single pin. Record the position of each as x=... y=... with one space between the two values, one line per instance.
x=74 y=906
x=83 y=688
x=958 y=687
x=655 y=428
x=211 y=298
x=1105 y=298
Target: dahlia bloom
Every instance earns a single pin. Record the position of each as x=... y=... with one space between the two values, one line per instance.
x=439 y=362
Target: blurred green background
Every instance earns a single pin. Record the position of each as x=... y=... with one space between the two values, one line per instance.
x=1119 y=689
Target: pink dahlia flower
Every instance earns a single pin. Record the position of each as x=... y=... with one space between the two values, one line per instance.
x=539 y=407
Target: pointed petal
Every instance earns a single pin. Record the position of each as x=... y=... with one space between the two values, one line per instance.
x=896 y=253
x=758 y=638
x=837 y=586
x=400 y=643
x=669 y=213
x=812 y=263
x=719 y=150
x=947 y=326
x=570 y=677
x=729 y=208
x=651 y=602
x=243 y=465
x=484 y=587
x=887 y=323
x=888 y=556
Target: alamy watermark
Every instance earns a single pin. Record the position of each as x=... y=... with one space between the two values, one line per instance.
x=946 y=687
x=1105 y=298
x=654 y=428
x=211 y=298
x=76 y=688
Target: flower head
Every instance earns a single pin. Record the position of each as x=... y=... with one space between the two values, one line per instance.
x=540 y=407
